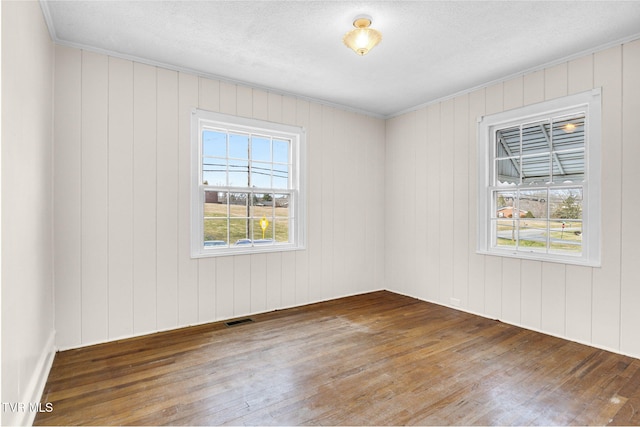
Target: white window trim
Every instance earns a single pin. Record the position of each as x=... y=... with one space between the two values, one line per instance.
x=201 y=119
x=590 y=103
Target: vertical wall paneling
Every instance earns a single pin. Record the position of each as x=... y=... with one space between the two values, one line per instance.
x=446 y=224
x=144 y=198
x=67 y=190
x=552 y=318
x=123 y=173
x=209 y=94
x=339 y=164
x=461 y=212
x=28 y=229
x=533 y=87
x=493 y=265
x=315 y=191
x=578 y=298
x=259 y=264
x=187 y=268
x=592 y=305
x=399 y=204
x=531 y=302
x=273 y=276
x=578 y=279
x=167 y=199
x=376 y=219
x=630 y=290
x=206 y=290
x=432 y=263
x=555 y=81
x=244 y=101
x=327 y=205
x=580 y=74
x=120 y=198
x=302 y=111
x=224 y=298
x=209 y=99
x=421 y=203
x=606 y=280
x=94 y=258
x=241 y=285
x=474 y=300
x=513 y=97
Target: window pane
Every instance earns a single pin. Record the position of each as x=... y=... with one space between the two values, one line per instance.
x=535 y=138
x=280 y=176
x=281 y=203
x=215 y=204
x=565 y=236
x=536 y=169
x=504 y=202
x=568 y=167
x=280 y=151
x=238 y=204
x=282 y=230
x=565 y=203
x=568 y=133
x=532 y=234
x=238 y=173
x=505 y=232
x=262 y=205
x=262 y=230
x=215 y=232
x=508 y=142
x=214 y=171
x=261 y=175
x=260 y=149
x=240 y=231
x=215 y=218
x=214 y=143
x=239 y=146
x=533 y=203
x=508 y=171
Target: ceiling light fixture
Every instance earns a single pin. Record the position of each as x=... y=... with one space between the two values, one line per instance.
x=362 y=39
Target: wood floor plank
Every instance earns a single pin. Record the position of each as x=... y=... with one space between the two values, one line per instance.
x=372 y=359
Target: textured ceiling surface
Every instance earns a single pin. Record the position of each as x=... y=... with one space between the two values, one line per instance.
x=429 y=50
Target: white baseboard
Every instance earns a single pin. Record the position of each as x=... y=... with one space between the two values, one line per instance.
x=35 y=388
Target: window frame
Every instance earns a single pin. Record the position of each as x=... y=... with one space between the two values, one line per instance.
x=589 y=103
x=202 y=120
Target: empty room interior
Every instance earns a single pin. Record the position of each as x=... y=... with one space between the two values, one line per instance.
x=320 y=213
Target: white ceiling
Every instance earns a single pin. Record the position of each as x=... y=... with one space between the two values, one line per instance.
x=430 y=49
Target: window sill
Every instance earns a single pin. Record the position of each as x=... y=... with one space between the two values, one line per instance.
x=246 y=250
x=533 y=256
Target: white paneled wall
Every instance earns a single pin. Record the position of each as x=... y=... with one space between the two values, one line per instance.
x=122 y=265
x=27 y=208
x=431 y=210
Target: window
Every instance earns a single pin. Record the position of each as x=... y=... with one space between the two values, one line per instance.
x=247 y=186
x=539 y=181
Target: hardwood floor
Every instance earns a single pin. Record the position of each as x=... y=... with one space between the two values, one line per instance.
x=374 y=359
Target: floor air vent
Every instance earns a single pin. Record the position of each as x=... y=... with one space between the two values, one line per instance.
x=238 y=322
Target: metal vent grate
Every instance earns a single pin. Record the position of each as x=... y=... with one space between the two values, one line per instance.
x=238 y=322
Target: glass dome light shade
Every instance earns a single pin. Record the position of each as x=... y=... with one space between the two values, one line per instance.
x=362 y=38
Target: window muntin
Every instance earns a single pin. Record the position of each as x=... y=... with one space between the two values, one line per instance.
x=247 y=186
x=539 y=181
